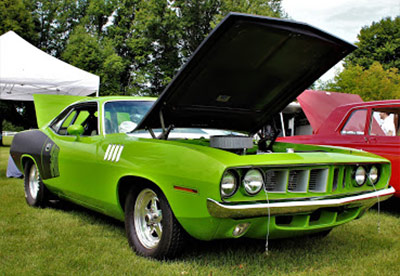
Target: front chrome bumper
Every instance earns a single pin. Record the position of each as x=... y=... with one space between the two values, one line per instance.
x=248 y=210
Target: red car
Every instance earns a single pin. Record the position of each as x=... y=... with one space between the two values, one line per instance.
x=369 y=126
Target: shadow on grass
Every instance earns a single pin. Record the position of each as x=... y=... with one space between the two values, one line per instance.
x=248 y=246
x=84 y=213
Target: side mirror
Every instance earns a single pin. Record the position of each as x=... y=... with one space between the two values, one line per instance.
x=75 y=130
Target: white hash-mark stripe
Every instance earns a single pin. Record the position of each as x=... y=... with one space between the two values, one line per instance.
x=119 y=153
x=111 y=152
x=107 y=151
x=115 y=153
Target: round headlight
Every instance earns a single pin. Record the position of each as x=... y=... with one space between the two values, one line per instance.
x=373 y=174
x=228 y=184
x=253 y=182
x=360 y=176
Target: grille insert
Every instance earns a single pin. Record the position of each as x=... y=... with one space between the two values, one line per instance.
x=275 y=181
x=297 y=180
x=318 y=180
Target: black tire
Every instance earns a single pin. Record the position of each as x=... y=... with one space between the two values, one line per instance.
x=35 y=191
x=150 y=225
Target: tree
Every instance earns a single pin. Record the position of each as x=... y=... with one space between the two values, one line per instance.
x=155 y=43
x=199 y=17
x=55 y=20
x=15 y=16
x=378 y=42
x=374 y=83
x=87 y=51
x=271 y=8
x=196 y=19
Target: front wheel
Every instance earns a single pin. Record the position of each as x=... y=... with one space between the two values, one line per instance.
x=35 y=193
x=151 y=227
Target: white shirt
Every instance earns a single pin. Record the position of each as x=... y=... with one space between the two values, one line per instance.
x=388 y=126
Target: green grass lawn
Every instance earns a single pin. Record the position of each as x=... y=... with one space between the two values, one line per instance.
x=7 y=140
x=68 y=240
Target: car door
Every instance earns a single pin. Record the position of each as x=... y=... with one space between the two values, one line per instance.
x=78 y=158
x=385 y=141
x=380 y=140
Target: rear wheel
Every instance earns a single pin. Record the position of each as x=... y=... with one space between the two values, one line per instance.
x=35 y=193
x=151 y=227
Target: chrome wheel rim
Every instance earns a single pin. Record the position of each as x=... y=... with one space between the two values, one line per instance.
x=147 y=218
x=33 y=181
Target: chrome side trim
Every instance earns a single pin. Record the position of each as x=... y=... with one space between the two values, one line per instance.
x=223 y=210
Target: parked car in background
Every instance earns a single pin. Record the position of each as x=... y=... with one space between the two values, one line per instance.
x=369 y=126
x=92 y=151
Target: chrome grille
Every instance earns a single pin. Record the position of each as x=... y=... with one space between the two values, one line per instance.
x=276 y=180
x=297 y=180
x=270 y=180
x=293 y=180
x=313 y=179
x=318 y=180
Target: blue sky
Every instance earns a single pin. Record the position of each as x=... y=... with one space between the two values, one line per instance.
x=343 y=18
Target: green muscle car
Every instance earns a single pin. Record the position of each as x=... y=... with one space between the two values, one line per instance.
x=201 y=160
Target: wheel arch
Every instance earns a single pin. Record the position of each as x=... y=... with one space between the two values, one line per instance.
x=26 y=158
x=126 y=183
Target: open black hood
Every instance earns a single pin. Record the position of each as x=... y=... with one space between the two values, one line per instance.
x=248 y=69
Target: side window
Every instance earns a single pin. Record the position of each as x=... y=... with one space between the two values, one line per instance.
x=385 y=122
x=70 y=118
x=355 y=125
x=81 y=114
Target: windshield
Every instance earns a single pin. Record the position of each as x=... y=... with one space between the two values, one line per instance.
x=123 y=116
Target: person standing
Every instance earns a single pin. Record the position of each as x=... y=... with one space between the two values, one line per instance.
x=387 y=125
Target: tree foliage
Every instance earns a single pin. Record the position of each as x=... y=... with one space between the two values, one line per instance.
x=374 y=83
x=378 y=42
x=15 y=15
x=372 y=71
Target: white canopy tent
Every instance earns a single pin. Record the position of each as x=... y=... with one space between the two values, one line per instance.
x=26 y=70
